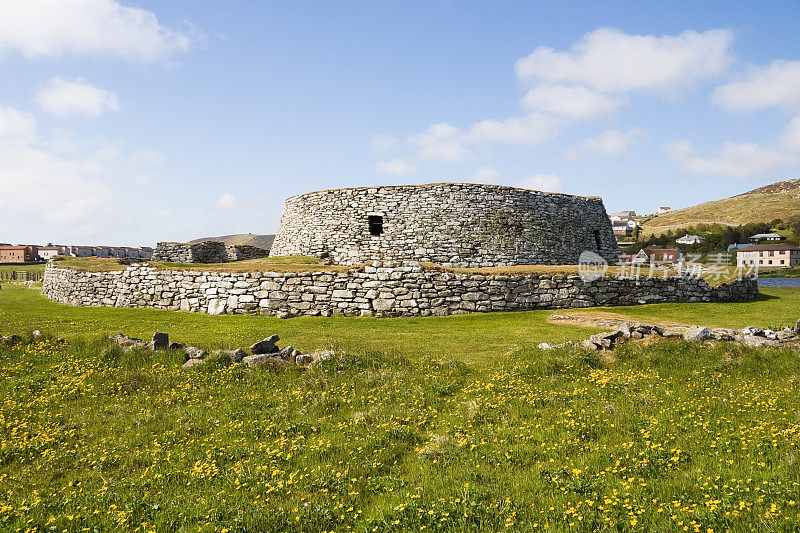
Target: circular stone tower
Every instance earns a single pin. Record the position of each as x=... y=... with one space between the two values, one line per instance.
x=452 y=224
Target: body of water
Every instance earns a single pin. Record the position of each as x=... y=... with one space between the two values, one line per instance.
x=779 y=282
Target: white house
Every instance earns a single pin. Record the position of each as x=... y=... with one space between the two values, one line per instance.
x=758 y=237
x=664 y=209
x=48 y=252
x=769 y=256
x=690 y=239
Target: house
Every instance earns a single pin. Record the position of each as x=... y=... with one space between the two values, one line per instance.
x=758 y=237
x=737 y=246
x=620 y=228
x=100 y=251
x=658 y=256
x=18 y=254
x=769 y=256
x=664 y=209
x=690 y=239
x=46 y=253
x=624 y=214
x=117 y=251
x=81 y=251
x=145 y=252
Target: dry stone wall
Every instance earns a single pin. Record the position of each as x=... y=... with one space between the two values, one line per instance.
x=395 y=289
x=243 y=252
x=452 y=224
x=201 y=252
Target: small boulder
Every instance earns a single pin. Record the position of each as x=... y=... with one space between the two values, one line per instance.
x=192 y=362
x=626 y=329
x=750 y=330
x=176 y=346
x=722 y=334
x=589 y=344
x=671 y=334
x=637 y=335
x=12 y=340
x=769 y=334
x=785 y=334
x=697 y=333
x=756 y=341
x=37 y=335
x=286 y=353
x=195 y=353
x=658 y=330
x=263 y=359
x=265 y=346
x=237 y=355
x=797 y=327
x=303 y=359
x=160 y=341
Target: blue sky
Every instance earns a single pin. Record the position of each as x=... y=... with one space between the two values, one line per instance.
x=132 y=122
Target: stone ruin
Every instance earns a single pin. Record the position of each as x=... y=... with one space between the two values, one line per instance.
x=205 y=252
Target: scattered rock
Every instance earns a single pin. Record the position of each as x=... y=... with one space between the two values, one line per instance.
x=785 y=334
x=37 y=335
x=195 y=353
x=671 y=334
x=722 y=334
x=768 y=333
x=755 y=341
x=237 y=355
x=176 y=346
x=264 y=359
x=11 y=340
x=265 y=346
x=192 y=362
x=697 y=333
x=797 y=327
x=304 y=359
x=160 y=341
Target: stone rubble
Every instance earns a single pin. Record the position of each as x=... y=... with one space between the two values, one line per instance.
x=749 y=336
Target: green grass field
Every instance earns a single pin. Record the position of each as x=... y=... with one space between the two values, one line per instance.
x=396 y=433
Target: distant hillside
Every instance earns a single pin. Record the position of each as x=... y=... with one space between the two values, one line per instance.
x=765 y=204
x=250 y=239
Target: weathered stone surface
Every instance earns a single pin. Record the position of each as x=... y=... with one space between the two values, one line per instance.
x=12 y=340
x=195 y=353
x=392 y=288
x=192 y=362
x=202 y=252
x=176 y=346
x=160 y=341
x=697 y=333
x=452 y=224
x=265 y=346
x=263 y=359
x=303 y=359
x=237 y=355
x=755 y=341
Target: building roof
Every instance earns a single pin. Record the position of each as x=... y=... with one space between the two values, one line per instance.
x=48 y=247
x=13 y=247
x=769 y=247
x=766 y=235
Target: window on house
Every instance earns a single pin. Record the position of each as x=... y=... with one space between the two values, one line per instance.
x=375 y=223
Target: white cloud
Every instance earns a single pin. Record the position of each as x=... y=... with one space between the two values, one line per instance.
x=774 y=85
x=487 y=175
x=40 y=185
x=570 y=101
x=609 y=60
x=397 y=167
x=65 y=98
x=608 y=142
x=531 y=129
x=442 y=141
x=50 y=28
x=542 y=182
x=16 y=127
x=735 y=160
x=226 y=201
x=384 y=143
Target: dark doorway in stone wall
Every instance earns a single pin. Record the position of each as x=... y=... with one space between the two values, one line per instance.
x=597 y=241
x=375 y=224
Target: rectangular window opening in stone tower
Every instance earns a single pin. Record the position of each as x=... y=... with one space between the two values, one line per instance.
x=375 y=224
x=597 y=240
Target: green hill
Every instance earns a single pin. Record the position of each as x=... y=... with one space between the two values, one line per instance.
x=249 y=239
x=765 y=204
